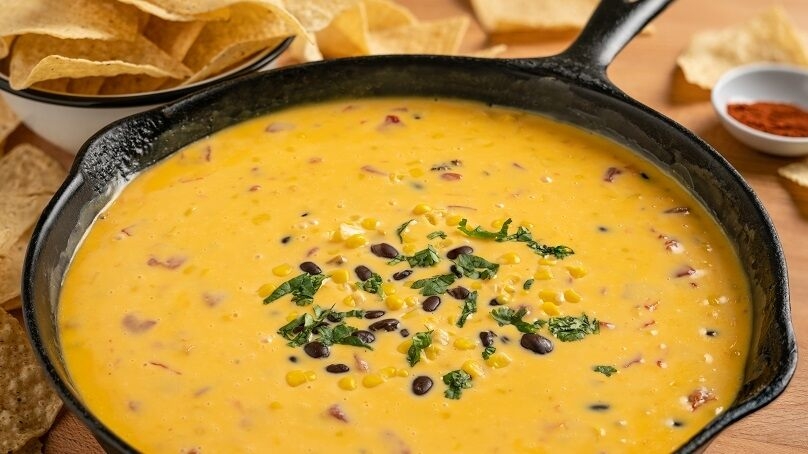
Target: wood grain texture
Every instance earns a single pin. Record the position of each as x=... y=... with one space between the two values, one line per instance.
x=646 y=70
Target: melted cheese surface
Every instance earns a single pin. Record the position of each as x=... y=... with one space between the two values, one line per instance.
x=167 y=338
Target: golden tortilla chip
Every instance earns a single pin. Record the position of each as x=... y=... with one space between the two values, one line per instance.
x=36 y=58
x=348 y=34
x=74 y=19
x=767 y=37
x=54 y=85
x=20 y=212
x=305 y=50
x=497 y=16
x=85 y=85
x=11 y=272
x=34 y=446
x=8 y=123
x=315 y=15
x=796 y=172
x=5 y=45
x=28 y=404
x=28 y=171
x=489 y=52
x=185 y=10
x=435 y=37
x=174 y=38
x=222 y=44
x=13 y=303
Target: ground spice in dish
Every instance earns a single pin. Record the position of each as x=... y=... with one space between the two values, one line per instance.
x=775 y=118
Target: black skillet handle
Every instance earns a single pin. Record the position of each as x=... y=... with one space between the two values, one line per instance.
x=612 y=25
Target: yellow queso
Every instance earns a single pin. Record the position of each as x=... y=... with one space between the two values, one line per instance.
x=405 y=275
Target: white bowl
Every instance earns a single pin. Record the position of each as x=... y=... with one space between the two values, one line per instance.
x=762 y=82
x=69 y=120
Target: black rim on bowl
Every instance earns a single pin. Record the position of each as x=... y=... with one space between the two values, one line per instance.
x=571 y=87
x=144 y=99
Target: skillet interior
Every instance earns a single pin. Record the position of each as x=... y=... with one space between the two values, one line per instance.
x=557 y=87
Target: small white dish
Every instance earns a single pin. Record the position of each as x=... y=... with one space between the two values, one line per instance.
x=764 y=83
x=69 y=120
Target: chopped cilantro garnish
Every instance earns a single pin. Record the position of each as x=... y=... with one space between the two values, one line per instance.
x=435 y=285
x=301 y=287
x=605 y=370
x=528 y=283
x=559 y=252
x=469 y=307
x=402 y=228
x=488 y=351
x=568 y=328
x=420 y=341
x=437 y=234
x=479 y=232
x=321 y=313
x=424 y=258
x=457 y=381
x=300 y=330
x=373 y=284
x=476 y=267
x=522 y=235
x=340 y=334
x=507 y=316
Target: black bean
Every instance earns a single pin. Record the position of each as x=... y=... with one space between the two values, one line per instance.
x=384 y=250
x=599 y=407
x=494 y=302
x=677 y=423
x=293 y=359
x=337 y=368
x=286 y=239
x=711 y=333
x=536 y=343
x=365 y=336
x=644 y=176
x=431 y=303
x=456 y=271
x=603 y=229
x=316 y=349
x=402 y=275
x=363 y=272
x=388 y=324
x=421 y=385
x=373 y=314
x=487 y=338
x=459 y=292
x=404 y=332
x=310 y=267
x=451 y=255
x=304 y=214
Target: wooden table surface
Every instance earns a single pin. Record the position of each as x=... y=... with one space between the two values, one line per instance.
x=646 y=70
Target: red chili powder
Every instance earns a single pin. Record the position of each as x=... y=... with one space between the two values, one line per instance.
x=775 y=118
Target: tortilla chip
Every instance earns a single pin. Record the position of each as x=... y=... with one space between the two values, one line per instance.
x=222 y=44
x=8 y=123
x=36 y=58
x=11 y=272
x=348 y=34
x=5 y=45
x=497 y=16
x=34 y=446
x=85 y=85
x=174 y=38
x=27 y=170
x=54 y=85
x=796 y=172
x=305 y=50
x=20 y=212
x=435 y=37
x=767 y=37
x=74 y=19
x=12 y=304
x=28 y=405
x=489 y=52
x=315 y=15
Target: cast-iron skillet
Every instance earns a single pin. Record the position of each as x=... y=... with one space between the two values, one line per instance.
x=571 y=87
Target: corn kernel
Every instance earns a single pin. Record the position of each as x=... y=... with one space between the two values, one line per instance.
x=476 y=285
x=409 y=248
x=463 y=343
x=549 y=295
x=473 y=368
x=576 y=271
x=275 y=405
x=394 y=302
x=389 y=288
x=370 y=223
x=453 y=220
x=572 y=296
x=432 y=352
x=282 y=270
x=510 y=258
x=416 y=172
x=543 y=274
x=347 y=383
x=411 y=301
x=266 y=290
x=497 y=223
x=404 y=346
x=432 y=218
x=296 y=377
x=550 y=309
x=310 y=375
x=349 y=301
x=421 y=208
x=292 y=316
x=504 y=298
x=340 y=276
x=403 y=373
x=388 y=372
x=508 y=288
x=547 y=261
x=355 y=241
x=498 y=360
x=372 y=380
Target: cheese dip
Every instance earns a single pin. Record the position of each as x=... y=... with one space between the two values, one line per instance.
x=405 y=275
